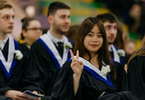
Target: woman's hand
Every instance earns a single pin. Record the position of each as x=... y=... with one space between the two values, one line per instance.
x=76 y=65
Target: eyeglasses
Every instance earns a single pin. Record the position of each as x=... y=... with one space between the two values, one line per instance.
x=35 y=29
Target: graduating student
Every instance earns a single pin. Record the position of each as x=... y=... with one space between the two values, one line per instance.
x=111 y=24
x=51 y=50
x=90 y=74
x=136 y=72
x=31 y=31
x=12 y=57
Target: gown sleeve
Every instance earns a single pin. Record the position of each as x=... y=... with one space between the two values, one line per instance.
x=63 y=88
x=32 y=79
x=136 y=76
x=121 y=77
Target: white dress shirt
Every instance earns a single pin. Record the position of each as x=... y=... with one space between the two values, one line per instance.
x=2 y=43
x=54 y=39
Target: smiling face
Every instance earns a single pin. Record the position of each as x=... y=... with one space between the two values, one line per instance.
x=6 y=20
x=93 y=40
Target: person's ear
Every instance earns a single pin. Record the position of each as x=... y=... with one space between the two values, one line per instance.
x=24 y=33
x=50 y=19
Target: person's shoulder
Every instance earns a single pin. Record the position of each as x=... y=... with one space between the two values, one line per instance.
x=138 y=58
x=36 y=45
x=23 y=47
x=67 y=64
x=115 y=47
x=117 y=64
x=137 y=63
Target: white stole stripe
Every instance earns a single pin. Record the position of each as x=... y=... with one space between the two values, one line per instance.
x=53 y=49
x=11 y=49
x=116 y=56
x=88 y=64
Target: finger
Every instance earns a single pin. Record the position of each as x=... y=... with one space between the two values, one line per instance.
x=38 y=99
x=22 y=97
x=73 y=64
x=72 y=55
x=77 y=55
x=81 y=62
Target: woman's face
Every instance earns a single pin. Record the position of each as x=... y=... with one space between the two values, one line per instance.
x=34 y=31
x=93 y=40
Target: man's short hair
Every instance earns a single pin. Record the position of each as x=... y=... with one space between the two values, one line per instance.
x=4 y=5
x=107 y=17
x=54 y=6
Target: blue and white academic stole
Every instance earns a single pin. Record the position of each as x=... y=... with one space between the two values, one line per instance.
x=116 y=56
x=8 y=66
x=95 y=72
x=48 y=44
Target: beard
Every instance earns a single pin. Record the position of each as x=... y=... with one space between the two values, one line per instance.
x=109 y=43
x=58 y=29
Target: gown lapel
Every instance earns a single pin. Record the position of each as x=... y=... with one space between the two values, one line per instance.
x=48 y=44
x=116 y=56
x=95 y=72
x=8 y=66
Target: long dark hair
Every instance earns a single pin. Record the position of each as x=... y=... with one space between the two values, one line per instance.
x=103 y=53
x=119 y=38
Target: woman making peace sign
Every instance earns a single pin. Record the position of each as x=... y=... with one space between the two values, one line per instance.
x=90 y=74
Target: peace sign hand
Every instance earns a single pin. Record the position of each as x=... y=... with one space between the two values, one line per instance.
x=76 y=65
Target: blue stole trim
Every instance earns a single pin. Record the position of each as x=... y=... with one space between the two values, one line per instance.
x=112 y=60
x=96 y=75
x=8 y=75
x=53 y=57
x=119 y=56
x=69 y=55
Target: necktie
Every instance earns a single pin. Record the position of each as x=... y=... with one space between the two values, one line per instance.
x=111 y=54
x=60 y=48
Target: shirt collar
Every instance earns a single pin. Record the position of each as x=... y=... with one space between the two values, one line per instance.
x=110 y=49
x=5 y=40
x=2 y=43
x=53 y=39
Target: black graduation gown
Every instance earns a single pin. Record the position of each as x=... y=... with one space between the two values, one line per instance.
x=42 y=70
x=90 y=88
x=15 y=82
x=124 y=59
x=136 y=77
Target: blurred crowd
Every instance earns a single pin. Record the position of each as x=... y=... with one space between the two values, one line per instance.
x=101 y=57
